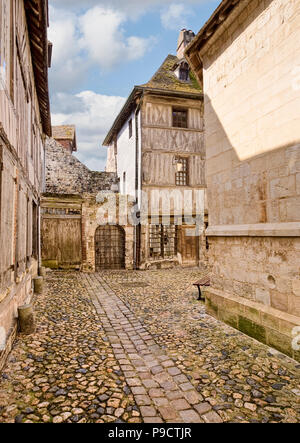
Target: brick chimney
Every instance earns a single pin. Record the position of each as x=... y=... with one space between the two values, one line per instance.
x=185 y=37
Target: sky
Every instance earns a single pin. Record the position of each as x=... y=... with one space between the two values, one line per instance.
x=101 y=50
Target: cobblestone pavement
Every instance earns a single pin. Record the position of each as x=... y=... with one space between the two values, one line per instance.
x=137 y=347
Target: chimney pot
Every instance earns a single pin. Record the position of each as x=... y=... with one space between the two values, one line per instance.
x=185 y=37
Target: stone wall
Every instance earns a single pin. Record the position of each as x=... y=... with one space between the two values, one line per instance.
x=252 y=138
x=260 y=269
x=65 y=174
x=90 y=222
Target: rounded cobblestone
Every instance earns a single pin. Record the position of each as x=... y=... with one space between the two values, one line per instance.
x=126 y=346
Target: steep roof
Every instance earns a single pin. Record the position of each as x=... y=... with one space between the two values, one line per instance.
x=163 y=82
x=63 y=132
x=164 y=78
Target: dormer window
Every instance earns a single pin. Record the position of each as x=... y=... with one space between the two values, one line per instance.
x=184 y=72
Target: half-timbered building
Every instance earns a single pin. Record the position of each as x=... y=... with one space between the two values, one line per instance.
x=156 y=146
x=24 y=120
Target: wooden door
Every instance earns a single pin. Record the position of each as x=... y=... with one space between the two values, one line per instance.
x=61 y=242
x=188 y=246
x=110 y=248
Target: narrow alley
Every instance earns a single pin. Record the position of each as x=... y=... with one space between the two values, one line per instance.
x=125 y=346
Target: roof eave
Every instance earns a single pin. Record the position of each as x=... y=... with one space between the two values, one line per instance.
x=123 y=115
x=37 y=23
x=121 y=118
x=207 y=31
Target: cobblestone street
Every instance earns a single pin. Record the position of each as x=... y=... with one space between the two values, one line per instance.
x=138 y=347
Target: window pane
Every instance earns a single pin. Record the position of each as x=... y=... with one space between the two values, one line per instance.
x=180 y=118
x=162 y=241
x=181 y=176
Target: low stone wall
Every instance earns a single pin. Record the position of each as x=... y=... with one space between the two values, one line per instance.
x=261 y=269
x=265 y=324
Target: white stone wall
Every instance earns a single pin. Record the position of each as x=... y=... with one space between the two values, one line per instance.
x=252 y=123
x=252 y=96
x=126 y=158
x=252 y=102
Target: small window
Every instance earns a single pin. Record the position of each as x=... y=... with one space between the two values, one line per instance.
x=181 y=176
x=124 y=183
x=184 y=72
x=162 y=241
x=180 y=118
x=130 y=128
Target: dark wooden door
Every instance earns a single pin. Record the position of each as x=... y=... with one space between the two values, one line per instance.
x=189 y=246
x=110 y=248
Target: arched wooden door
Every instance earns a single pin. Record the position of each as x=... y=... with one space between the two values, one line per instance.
x=110 y=247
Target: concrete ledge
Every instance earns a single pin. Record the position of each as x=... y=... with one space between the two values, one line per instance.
x=257 y=230
x=263 y=323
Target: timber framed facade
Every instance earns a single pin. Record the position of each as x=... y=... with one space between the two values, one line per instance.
x=164 y=158
x=24 y=121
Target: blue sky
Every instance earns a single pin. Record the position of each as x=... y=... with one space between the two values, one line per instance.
x=102 y=48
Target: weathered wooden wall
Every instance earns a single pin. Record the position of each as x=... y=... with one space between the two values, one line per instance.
x=21 y=165
x=161 y=142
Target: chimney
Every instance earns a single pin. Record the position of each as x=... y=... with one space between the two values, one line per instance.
x=185 y=37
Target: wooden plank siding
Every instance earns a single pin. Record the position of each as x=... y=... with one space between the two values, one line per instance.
x=21 y=160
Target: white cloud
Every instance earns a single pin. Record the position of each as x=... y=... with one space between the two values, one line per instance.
x=95 y=37
x=104 y=39
x=67 y=68
x=93 y=115
x=175 y=16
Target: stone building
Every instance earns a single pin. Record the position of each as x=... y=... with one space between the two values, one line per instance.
x=73 y=237
x=247 y=56
x=24 y=122
x=156 y=147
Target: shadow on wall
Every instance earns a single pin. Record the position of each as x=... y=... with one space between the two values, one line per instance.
x=260 y=188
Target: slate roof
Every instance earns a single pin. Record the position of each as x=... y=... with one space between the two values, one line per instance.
x=64 y=132
x=164 y=78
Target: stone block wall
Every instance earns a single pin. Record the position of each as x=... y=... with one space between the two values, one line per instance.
x=252 y=139
x=262 y=189
x=261 y=269
x=90 y=222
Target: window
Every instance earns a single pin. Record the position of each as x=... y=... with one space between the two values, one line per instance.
x=130 y=128
x=181 y=175
x=184 y=72
x=35 y=244
x=180 y=118
x=163 y=241
x=124 y=183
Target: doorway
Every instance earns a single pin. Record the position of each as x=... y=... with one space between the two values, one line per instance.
x=110 y=248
